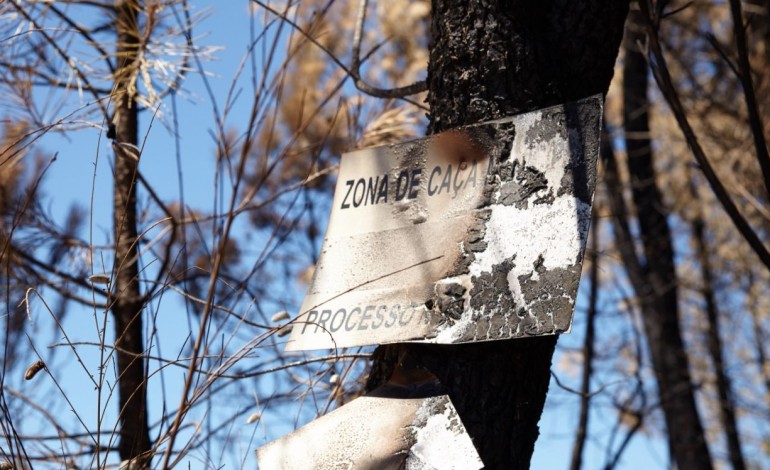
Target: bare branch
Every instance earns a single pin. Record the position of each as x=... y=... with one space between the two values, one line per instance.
x=747 y=82
x=665 y=83
x=64 y=56
x=354 y=71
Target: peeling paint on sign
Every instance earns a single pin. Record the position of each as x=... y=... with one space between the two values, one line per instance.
x=403 y=433
x=473 y=234
x=439 y=439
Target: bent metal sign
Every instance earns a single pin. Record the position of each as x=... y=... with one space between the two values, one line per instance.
x=474 y=234
x=413 y=433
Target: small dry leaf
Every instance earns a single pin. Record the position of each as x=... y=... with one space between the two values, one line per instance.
x=253 y=418
x=126 y=149
x=31 y=373
x=100 y=278
x=419 y=9
x=6 y=465
x=283 y=332
x=280 y=316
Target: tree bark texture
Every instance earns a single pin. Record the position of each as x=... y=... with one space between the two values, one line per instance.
x=490 y=59
x=128 y=302
x=656 y=284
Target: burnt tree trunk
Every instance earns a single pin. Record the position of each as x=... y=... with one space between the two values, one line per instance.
x=716 y=350
x=489 y=60
x=656 y=283
x=127 y=306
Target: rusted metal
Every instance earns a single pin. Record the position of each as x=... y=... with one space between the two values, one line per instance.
x=473 y=234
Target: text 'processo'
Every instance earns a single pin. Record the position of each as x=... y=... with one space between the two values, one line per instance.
x=369 y=317
x=380 y=189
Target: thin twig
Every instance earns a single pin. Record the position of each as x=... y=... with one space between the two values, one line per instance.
x=354 y=71
x=91 y=41
x=70 y=62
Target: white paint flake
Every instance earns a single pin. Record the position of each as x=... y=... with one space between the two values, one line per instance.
x=441 y=441
x=546 y=228
x=556 y=232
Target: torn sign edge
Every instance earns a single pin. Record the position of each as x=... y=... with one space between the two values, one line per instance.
x=378 y=431
x=540 y=295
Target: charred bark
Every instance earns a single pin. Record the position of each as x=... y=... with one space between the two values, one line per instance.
x=656 y=283
x=127 y=305
x=489 y=60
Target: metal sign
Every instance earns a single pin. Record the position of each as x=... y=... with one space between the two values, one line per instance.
x=473 y=234
x=378 y=432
